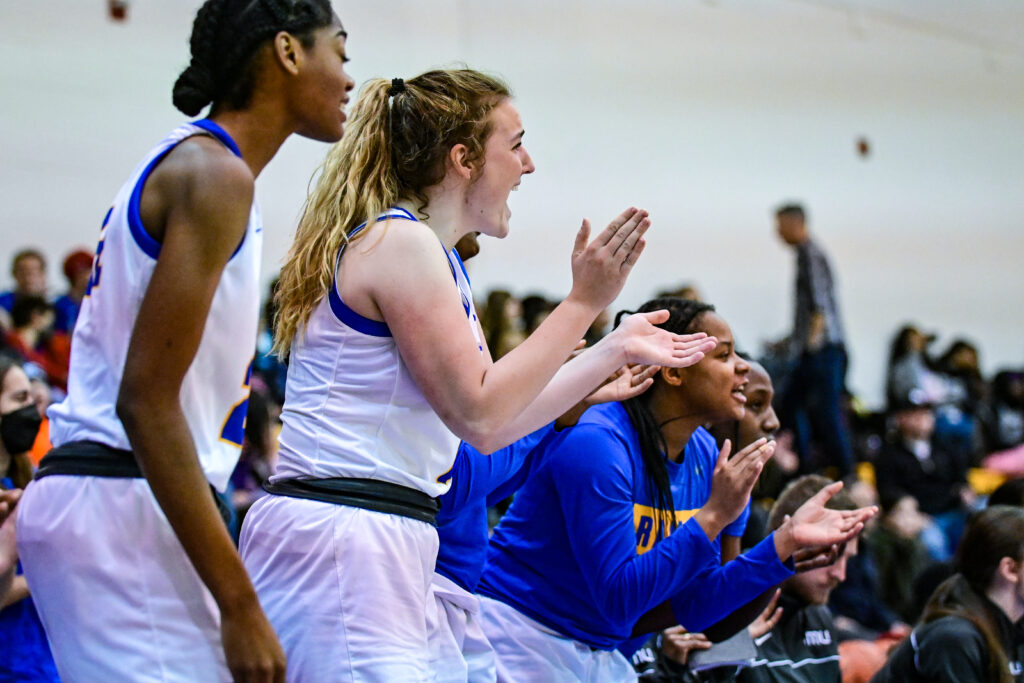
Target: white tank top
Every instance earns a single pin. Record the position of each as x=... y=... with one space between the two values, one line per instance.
x=352 y=409
x=215 y=392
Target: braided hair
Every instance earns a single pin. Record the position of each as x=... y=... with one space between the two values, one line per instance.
x=225 y=37
x=683 y=317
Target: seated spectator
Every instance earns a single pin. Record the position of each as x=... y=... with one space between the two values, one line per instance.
x=900 y=554
x=958 y=414
x=910 y=368
x=969 y=630
x=78 y=271
x=1011 y=492
x=28 y=268
x=804 y=644
x=24 y=653
x=1004 y=417
x=915 y=463
x=33 y=338
x=500 y=323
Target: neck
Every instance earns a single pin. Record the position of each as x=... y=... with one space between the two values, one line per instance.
x=446 y=216
x=5 y=462
x=1004 y=595
x=676 y=423
x=259 y=132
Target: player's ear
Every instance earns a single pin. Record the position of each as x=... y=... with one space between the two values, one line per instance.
x=672 y=376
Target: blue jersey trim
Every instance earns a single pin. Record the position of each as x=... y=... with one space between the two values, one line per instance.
x=360 y=323
x=219 y=133
x=374 y=328
x=145 y=241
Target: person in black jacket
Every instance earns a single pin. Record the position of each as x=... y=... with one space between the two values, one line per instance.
x=914 y=463
x=971 y=629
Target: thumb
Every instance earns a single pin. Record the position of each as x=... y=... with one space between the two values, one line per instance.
x=656 y=317
x=824 y=495
x=582 y=237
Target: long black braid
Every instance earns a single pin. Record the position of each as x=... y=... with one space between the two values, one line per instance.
x=225 y=37
x=683 y=315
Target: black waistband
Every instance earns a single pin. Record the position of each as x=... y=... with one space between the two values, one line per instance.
x=88 y=458
x=92 y=459
x=368 y=494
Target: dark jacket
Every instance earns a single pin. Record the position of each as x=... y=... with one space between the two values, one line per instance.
x=934 y=482
x=802 y=648
x=951 y=650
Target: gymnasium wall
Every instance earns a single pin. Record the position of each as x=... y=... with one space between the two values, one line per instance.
x=706 y=113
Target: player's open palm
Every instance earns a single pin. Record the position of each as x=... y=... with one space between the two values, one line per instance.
x=646 y=344
x=600 y=266
x=813 y=524
x=734 y=477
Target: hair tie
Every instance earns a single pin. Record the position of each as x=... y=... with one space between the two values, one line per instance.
x=397 y=86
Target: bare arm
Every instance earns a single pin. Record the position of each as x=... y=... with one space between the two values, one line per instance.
x=409 y=280
x=17 y=592
x=201 y=201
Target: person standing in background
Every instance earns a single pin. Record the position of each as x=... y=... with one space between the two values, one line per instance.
x=811 y=400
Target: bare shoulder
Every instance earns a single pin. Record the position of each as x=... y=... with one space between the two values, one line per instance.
x=201 y=187
x=203 y=165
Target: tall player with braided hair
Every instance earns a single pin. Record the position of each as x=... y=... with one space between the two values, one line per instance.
x=133 y=570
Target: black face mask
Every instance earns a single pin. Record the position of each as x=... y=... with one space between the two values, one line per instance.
x=18 y=429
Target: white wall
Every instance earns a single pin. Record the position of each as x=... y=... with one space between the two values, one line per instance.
x=706 y=113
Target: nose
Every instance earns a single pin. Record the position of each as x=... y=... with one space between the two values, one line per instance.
x=770 y=424
x=838 y=570
x=742 y=366
x=528 y=166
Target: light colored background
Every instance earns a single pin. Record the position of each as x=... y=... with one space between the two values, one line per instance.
x=706 y=113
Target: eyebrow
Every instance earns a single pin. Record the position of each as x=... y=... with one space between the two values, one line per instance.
x=519 y=135
x=341 y=32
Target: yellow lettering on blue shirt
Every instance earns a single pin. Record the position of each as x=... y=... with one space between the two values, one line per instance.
x=650 y=525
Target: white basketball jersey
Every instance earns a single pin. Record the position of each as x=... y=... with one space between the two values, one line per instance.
x=352 y=409
x=215 y=392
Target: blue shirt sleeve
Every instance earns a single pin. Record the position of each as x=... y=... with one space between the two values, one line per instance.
x=596 y=497
x=720 y=591
x=476 y=476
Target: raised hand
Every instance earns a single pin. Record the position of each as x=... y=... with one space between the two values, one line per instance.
x=646 y=344
x=806 y=559
x=600 y=267
x=731 y=484
x=767 y=619
x=815 y=525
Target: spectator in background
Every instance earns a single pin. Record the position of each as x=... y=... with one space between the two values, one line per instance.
x=42 y=396
x=910 y=368
x=28 y=268
x=500 y=323
x=1004 y=423
x=257 y=461
x=966 y=393
x=33 y=338
x=24 y=653
x=78 y=271
x=900 y=555
x=969 y=630
x=916 y=463
x=535 y=308
x=811 y=401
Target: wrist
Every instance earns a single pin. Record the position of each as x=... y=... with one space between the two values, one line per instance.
x=238 y=600
x=711 y=521
x=586 y=305
x=785 y=543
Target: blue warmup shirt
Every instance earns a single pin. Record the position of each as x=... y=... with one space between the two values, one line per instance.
x=479 y=481
x=582 y=549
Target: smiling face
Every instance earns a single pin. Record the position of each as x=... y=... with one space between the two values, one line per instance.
x=322 y=86
x=505 y=162
x=759 y=418
x=714 y=387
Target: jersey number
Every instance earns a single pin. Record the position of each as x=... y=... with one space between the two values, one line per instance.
x=233 y=431
x=97 y=269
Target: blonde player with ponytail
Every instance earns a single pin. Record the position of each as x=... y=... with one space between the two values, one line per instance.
x=387 y=368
